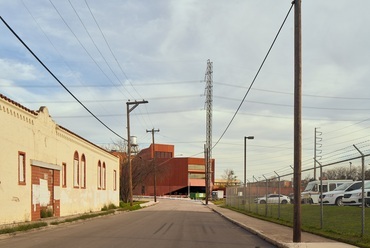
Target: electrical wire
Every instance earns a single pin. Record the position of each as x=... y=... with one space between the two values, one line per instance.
x=115 y=58
x=255 y=77
x=291 y=93
x=291 y=106
x=52 y=74
x=97 y=48
x=110 y=49
x=84 y=48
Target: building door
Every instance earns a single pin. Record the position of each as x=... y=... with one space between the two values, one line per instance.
x=43 y=203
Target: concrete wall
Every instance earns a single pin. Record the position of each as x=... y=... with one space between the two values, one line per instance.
x=46 y=147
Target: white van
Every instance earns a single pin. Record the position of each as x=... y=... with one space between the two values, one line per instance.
x=312 y=191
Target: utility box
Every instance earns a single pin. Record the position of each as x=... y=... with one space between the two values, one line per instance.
x=218 y=194
x=197 y=196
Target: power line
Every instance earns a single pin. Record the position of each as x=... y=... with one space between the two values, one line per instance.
x=220 y=97
x=255 y=77
x=88 y=53
x=52 y=74
x=135 y=114
x=291 y=106
x=107 y=86
x=290 y=93
x=110 y=49
x=79 y=41
x=115 y=58
x=97 y=48
x=116 y=100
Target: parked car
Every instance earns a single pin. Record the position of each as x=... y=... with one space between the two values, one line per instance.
x=335 y=197
x=272 y=198
x=312 y=191
x=355 y=197
x=291 y=198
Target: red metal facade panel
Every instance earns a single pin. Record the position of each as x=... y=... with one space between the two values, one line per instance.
x=172 y=173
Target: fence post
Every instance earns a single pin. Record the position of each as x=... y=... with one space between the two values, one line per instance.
x=279 y=194
x=321 y=201
x=257 y=194
x=267 y=188
x=363 y=190
x=249 y=195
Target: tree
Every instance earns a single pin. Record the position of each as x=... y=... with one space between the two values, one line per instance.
x=142 y=174
x=344 y=172
x=117 y=146
x=141 y=171
x=230 y=177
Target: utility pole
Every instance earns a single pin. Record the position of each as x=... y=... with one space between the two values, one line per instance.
x=154 y=165
x=208 y=147
x=135 y=104
x=297 y=121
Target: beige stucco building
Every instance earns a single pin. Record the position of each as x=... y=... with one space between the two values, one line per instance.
x=47 y=169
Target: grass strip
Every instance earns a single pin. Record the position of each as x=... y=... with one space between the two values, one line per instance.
x=106 y=210
x=339 y=223
x=23 y=227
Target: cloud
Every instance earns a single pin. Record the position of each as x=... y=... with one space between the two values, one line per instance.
x=162 y=48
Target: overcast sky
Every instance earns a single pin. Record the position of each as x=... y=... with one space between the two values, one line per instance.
x=109 y=52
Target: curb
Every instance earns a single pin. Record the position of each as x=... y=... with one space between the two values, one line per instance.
x=256 y=232
x=148 y=204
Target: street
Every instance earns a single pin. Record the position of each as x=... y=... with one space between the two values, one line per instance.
x=170 y=223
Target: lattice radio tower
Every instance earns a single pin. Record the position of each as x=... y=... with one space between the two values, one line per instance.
x=208 y=147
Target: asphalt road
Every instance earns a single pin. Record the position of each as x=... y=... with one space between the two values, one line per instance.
x=170 y=223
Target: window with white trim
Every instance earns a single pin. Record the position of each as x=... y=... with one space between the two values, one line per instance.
x=76 y=175
x=83 y=171
x=99 y=175
x=114 y=180
x=64 y=175
x=104 y=183
x=21 y=168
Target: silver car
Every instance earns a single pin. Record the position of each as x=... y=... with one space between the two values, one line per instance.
x=272 y=198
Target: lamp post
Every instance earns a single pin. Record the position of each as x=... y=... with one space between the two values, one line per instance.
x=245 y=164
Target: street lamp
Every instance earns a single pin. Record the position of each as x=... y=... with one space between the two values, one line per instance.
x=245 y=163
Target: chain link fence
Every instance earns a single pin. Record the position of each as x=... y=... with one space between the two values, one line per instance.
x=273 y=197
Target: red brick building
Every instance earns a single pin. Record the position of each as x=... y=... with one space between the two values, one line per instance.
x=174 y=175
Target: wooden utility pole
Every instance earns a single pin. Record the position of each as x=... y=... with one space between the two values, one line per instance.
x=129 y=109
x=154 y=165
x=297 y=120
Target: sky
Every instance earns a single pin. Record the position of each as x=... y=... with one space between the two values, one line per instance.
x=110 y=52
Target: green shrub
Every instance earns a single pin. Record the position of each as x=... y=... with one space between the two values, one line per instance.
x=23 y=227
x=109 y=207
x=127 y=207
x=45 y=213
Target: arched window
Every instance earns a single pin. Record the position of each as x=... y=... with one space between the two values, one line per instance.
x=64 y=175
x=83 y=171
x=76 y=176
x=21 y=168
x=99 y=175
x=114 y=180
x=104 y=184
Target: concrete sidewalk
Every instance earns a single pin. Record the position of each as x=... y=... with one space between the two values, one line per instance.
x=279 y=235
